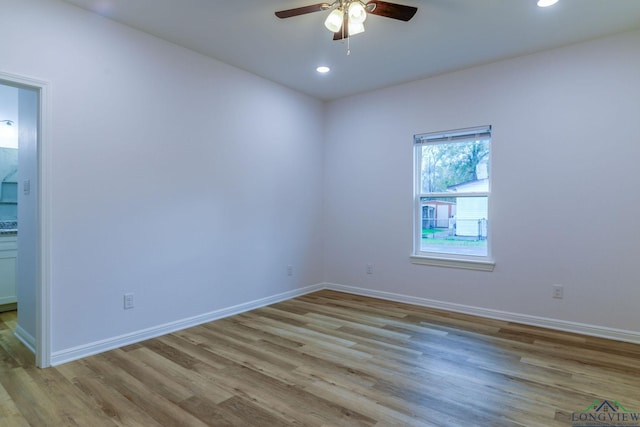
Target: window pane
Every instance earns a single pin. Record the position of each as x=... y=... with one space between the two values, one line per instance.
x=461 y=167
x=454 y=225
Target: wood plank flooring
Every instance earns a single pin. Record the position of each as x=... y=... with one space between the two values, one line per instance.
x=326 y=359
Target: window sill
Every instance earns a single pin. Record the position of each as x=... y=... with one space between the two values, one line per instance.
x=463 y=263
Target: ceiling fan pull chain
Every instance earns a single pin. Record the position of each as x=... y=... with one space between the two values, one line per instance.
x=345 y=26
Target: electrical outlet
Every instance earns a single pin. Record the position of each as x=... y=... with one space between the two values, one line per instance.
x=369 y=268
x=128 y=301
x=289 y=270
x=558 y=291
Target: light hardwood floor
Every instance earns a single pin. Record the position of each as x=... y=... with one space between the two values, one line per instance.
x=326 y=359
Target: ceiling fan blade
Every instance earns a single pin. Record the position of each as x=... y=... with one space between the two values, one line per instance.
x=339 y=36
x=392 y=10
x=303 y=10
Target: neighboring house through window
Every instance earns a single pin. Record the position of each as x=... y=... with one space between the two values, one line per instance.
x=452 y=189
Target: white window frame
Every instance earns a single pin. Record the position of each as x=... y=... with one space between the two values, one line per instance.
x=418 y=256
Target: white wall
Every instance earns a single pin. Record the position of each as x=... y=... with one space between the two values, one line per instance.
x=564 y=136
x=176 y=177
x=193 y=184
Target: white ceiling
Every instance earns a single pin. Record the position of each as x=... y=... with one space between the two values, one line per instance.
x=444 y=35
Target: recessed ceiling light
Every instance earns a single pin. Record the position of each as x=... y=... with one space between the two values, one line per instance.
x=546 y=3
x=323 y=69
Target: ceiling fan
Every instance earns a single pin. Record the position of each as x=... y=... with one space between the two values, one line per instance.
x=347 y=16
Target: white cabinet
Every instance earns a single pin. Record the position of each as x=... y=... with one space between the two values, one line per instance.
x=8 y=253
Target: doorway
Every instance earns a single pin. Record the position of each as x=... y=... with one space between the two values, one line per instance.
x=21 y=100
x=8 y=196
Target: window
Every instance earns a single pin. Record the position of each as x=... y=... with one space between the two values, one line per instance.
x=452 y=189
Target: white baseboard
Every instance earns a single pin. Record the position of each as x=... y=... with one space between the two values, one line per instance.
x=79 y=352
x=25 y=338
x=75 y=353
x=561 y=325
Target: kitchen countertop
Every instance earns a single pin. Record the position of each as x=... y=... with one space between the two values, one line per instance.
x=8 y=227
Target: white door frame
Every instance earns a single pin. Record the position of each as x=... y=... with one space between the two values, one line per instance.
x=43 y=214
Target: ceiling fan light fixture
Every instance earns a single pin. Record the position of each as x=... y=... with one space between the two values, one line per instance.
x=355 y=28
x=357 y=12
x=334 y=20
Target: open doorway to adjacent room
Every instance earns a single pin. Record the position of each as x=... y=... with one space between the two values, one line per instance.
x=21 y=302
